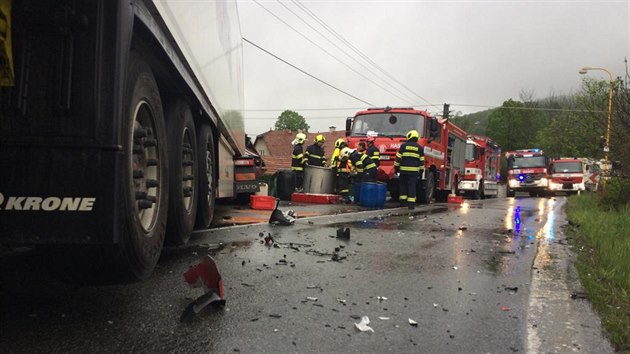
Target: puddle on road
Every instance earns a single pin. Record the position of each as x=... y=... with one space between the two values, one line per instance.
x=398 y=222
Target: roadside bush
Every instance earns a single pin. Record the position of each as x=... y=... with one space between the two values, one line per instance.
x=617 y=194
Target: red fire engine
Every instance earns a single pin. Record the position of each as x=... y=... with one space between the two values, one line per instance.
x=528 y=171
x=483 y=165
x=568 y=174
x=444 y=147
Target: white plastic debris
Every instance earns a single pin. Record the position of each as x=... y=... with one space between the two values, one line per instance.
x=383 y=318
x=363 y=325
x=455 y=267
x=412 y=322
x=341 y=300
x=311 y=298
x=435 y=305
x=381 y=298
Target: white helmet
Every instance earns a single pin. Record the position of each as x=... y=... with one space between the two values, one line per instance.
x=299 y=138
x=345 y=152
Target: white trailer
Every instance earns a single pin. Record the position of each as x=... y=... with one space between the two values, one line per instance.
x=120 y=123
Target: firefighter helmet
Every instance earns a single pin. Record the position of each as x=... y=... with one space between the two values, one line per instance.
x=320 y=138
x=412 y=134
x=345 y=152
x=340 y=142
x=299 y=138
x=370 y=139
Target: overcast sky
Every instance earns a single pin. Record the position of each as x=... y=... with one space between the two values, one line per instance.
x=471 y=54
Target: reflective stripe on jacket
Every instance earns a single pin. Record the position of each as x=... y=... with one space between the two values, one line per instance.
x=297 y=158
x=374 y=154
x=315 y=155
x=410 y=157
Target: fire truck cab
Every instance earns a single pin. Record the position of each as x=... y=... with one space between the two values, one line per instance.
x=567 y=175
x=482 y=173
x=444 y=147
x=528 y=171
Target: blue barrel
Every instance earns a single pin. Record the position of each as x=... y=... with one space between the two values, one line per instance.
x=356 y=191
x=373 y=194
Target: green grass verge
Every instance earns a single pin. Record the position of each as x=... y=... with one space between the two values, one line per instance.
x=603 y=247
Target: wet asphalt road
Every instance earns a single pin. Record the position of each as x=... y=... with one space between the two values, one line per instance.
x=490 y=276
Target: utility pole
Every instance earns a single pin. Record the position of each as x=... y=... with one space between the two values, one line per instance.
x=446 y=112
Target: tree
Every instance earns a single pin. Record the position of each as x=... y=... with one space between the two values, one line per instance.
x=292 y=121
x=513 y=126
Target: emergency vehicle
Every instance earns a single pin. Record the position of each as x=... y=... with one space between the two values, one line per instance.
x=444 y=147
x=483 y=166
x=121 y=121
x=567 y=175
x=592 y=175
x=528 y=171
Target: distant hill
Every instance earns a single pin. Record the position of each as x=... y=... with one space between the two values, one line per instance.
x=474 y=123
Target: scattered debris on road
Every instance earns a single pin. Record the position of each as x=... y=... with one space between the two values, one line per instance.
x=278 y=217
x=363 y=325
x=343 y=233
x=203 y=275
x=579 y=295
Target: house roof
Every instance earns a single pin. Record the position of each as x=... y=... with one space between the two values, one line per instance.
x=279 y=146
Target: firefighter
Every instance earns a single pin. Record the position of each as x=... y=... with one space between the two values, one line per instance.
x=409 y=165
x=339 y=145
x=344 y=168
x=373 y=152
x=365 y=167
x=315 y=152
x=298 y=160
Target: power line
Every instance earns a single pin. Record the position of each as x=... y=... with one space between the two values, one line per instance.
x=489 y=107
x=307 y=118
x=312 y=109
x=304 y=72
x=347 y=54
x=525 y=108
x=324 y=50
x=355 y=49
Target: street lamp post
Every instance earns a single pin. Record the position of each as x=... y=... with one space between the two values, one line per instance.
x=583 y=71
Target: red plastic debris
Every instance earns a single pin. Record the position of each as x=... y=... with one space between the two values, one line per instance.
x=203 y=275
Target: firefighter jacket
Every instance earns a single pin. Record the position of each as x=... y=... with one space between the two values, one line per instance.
x=315 y=155
x=297 y=158
x=344 y=166
x=409 y=158
x=335 y=157
x=374 y=154
x=361 y=161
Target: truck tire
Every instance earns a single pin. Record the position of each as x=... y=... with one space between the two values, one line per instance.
x=144 y=176
x=183 y=162
x=426 y=191
x=205 y=143
x=142 y=193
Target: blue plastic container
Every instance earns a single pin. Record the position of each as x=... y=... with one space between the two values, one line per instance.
x=373 y=194
x=356 y=191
